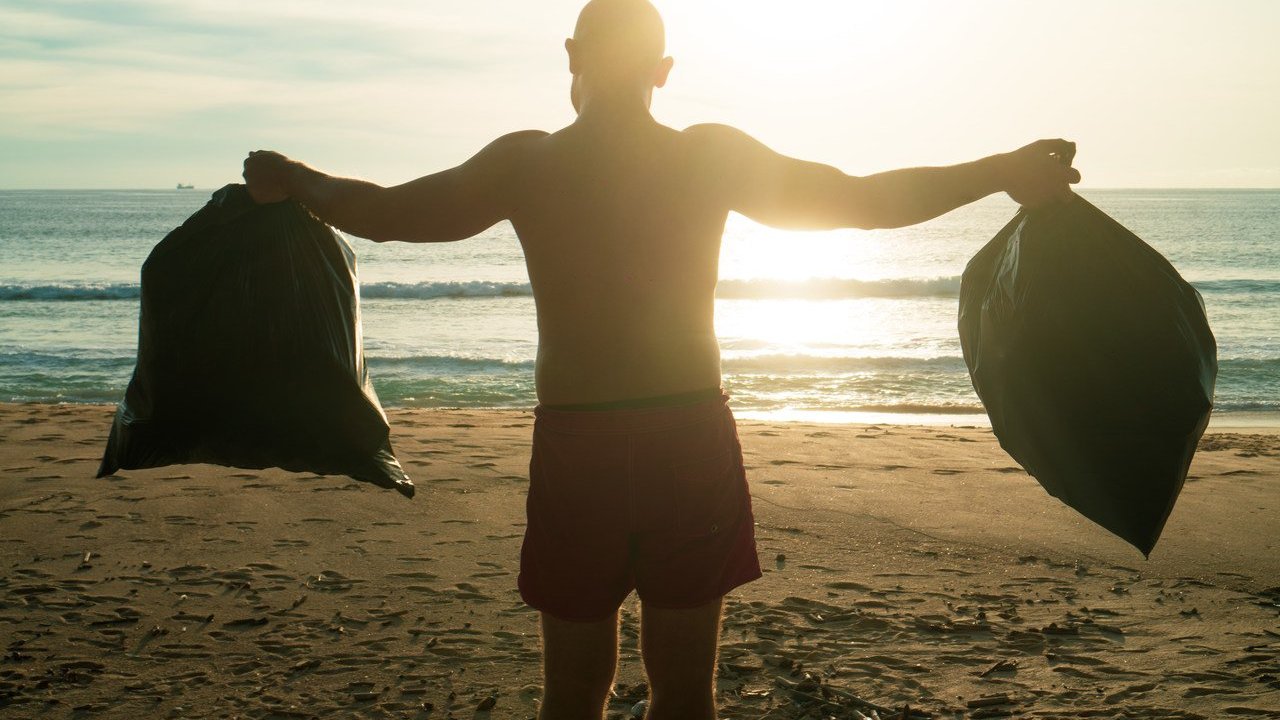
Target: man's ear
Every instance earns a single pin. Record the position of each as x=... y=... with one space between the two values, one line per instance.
x=571 y=49
x=664 y=70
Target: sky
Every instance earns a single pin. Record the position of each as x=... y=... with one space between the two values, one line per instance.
x=150 y=93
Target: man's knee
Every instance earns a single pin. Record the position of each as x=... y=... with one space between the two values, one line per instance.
x=591 y=682
x=577 y=694
x=579 y=662
x=679 y=649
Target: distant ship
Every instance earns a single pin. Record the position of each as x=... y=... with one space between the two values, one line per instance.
x=186 y=187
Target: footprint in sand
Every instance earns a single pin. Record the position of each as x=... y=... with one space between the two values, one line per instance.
x=1201 y=691
x=331 y=581
x=847 y=585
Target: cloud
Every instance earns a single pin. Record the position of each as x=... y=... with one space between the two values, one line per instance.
x=73 y=69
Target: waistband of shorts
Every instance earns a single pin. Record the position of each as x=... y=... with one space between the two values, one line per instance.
x=631 y=420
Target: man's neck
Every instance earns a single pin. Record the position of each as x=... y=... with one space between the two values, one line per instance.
x=615 y=108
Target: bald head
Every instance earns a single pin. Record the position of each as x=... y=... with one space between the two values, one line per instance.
x=618 y=37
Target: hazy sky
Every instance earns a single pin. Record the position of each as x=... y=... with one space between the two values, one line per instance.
x=147 y=93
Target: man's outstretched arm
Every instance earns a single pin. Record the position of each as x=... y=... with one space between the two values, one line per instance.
x=451 y=205
x=785 y=192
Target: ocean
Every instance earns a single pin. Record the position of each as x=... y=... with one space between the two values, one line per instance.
x=843 y=325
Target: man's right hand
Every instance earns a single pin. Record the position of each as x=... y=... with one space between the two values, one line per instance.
x=1039 y=173
x=266 y=174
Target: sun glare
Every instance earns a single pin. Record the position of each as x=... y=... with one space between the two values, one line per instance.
x=775 y=69
x=751 y=251
x=780 y=38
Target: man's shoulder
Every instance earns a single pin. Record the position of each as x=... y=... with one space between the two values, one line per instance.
x=710 y=130
x=719 y=140
x=506 y=152
x=715 y=132
x=517 y=140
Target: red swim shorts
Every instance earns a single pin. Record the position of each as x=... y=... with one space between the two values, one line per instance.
x=654 y=500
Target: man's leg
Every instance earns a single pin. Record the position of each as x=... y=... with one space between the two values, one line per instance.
x=579 y=660
x=679 y=650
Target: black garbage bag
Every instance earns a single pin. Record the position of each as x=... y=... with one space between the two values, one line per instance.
x=1094 y=360
x=250 y=353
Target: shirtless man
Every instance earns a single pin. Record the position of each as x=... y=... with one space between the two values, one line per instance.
x=636 y=480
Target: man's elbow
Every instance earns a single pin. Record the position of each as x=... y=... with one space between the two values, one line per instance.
x=866 y=209
x=863 y=218
x=863 y=222
x=882 y=222
x=421 y=235
x=856 y=206
x=417 y=238
x=373 y=233
x=387 y=228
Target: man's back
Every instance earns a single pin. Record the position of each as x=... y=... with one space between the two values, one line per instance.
x=621 y=231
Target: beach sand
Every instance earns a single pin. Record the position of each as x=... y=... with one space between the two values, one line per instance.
x=903 y=565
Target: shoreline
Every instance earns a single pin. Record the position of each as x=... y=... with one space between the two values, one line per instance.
x=903 y=565
x=1230 y=421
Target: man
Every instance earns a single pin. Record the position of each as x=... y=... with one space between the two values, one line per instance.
x=636 y=480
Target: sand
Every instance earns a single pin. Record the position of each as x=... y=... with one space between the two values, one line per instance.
x=904 y=565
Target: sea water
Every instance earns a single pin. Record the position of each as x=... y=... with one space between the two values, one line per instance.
x=844 y=324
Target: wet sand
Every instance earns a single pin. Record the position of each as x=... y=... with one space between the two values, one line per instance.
x=904 y=566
